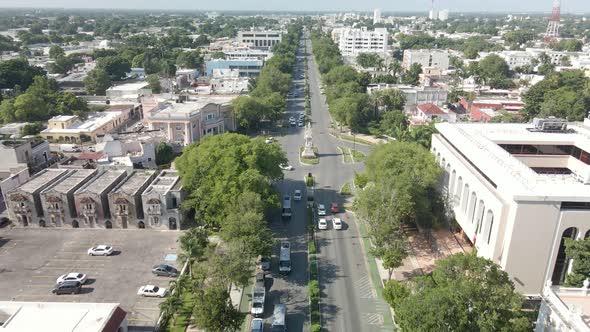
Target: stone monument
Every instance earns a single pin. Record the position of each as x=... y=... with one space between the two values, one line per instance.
x=308 y=151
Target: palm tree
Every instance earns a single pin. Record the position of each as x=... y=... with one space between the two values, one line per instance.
x=192 y=245
x=395 y=69
x=169 y=308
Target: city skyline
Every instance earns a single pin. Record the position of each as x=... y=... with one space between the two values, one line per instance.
x=570 y=6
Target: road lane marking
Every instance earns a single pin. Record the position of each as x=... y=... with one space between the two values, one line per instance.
x=373 y=319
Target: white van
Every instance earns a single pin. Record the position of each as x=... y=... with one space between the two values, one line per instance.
x=285 y=257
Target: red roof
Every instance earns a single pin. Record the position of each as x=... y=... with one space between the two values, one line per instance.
x=90 y=155
x=114 y=322
x=431 y=109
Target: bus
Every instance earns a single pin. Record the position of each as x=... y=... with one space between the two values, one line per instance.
x=285 y=257
x=286 y=211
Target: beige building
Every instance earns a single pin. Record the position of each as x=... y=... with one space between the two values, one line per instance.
x=70 y=129
x=92 y=204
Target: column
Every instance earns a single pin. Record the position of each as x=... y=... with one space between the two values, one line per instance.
x=170 y=132
x=188 y=137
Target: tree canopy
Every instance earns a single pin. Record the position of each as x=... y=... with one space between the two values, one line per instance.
x=474 y=292
x=97 y=81
x=18 y=72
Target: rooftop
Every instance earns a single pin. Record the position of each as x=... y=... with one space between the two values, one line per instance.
x=94 y=121
x=100 y=182
x=128 y=87
x=41 y=179
x=431 y=109
x=59 y=317
x=133 y=182
x=164 y=182
x=62 y=118
x=572 y=305
x=71 y=180
x=189 y=108
x=480 y=143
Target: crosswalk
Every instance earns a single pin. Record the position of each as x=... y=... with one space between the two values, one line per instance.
x=365 y=288
x=373 y=319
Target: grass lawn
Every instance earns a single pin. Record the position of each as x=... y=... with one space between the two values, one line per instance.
x=351 y=138
x=309 y=161
x=346 y=189
x=181 y=320
x=357 y=156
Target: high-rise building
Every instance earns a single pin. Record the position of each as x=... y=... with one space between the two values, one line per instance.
x=352 y=42
x=376 y=16
x=443 y=15
x=433 y=14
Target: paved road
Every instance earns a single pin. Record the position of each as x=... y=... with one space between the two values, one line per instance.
x=349 y=300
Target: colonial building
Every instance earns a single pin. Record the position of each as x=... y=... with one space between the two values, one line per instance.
x=92 y=203
x=125 y=200
x=161 y=201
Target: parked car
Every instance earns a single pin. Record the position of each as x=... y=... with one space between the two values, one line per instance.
x=257 y=325
x=334 y=207
x=259 y=280
x=321 y=210
x=269 y=139
x=151 y=291
x=264 y=263
x=322 y=224
x=286 y=167
x=337 y=223
x=67 y=287
x=74 y=276
x=164 y=270
x=101 y=250
x=301 y=124
x=297 y=195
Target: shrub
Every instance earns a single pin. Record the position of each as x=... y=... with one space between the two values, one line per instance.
x=316 y=327
x=314 y=290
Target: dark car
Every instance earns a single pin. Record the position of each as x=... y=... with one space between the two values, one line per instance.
x=260 y=280
x=165 y=270
x=67 y=287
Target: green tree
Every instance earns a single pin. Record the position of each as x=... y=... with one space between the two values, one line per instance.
x=412 y=76
x=18 y=72
x=7 y=111
x=393 y=122
x=154 y=83
x=192 y=246
x=579 y=251
x=367 y=60
x=189 y=60
x=97 y=81
x=218 y=168
x=164 y=154
x=32 y=129
x=249 y=111
x=30 y=107
x=389 y=99
x=55 y=51
x=115 y=66
x=494 y=71
x=476 y=294
x=61 y=65
x=214 y=311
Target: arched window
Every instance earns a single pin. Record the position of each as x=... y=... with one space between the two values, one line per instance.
x=490 y=224
x=562 y=261
x=458 y=191
x=479 y=215
x=465 y=198
x=452 y=184
x=587 y=234
x=471 y=210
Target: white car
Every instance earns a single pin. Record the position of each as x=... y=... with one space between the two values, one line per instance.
x=151 y=291
x=321 y=210
x=322 y=224
x=74 y=276
x=297 y=195
x=270 y=140
x=286 y=167
x=337 y=223
x=101 y=250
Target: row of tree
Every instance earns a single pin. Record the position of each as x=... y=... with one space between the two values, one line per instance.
x=267 y=99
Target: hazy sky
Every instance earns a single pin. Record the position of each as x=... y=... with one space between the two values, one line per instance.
x=569 y=6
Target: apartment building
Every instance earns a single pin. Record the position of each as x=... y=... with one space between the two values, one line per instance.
x=161 y=202
x=246 y=67
x=92 y=204
x=518 y=191
x=125 y=201
x=354 y=41
x=438 y=59
x=69 y=128
x=186 y=121
x=260 y=39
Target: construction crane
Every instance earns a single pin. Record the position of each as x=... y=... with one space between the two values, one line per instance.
x=553 y=26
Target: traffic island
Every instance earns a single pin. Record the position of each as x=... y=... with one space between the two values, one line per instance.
x=308 y=159
x=314 y=286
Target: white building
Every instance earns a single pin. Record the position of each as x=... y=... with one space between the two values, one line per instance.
x=415 y=95
x=353 y=42
x=129 y=91
x=564 y=309
x=443 y=15
x=260 y=39
x=517 y=191
x=438 y=59
x=376 y=16
x=516 y=59
x=58 y=317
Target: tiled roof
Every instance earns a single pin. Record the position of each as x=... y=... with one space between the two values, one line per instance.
x=430 y=108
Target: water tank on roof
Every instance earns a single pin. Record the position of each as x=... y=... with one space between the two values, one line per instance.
x=550 y=124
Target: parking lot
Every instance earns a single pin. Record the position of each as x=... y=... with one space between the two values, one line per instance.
x=32 y=259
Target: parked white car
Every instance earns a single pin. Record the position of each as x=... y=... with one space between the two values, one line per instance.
x=322 y=224
x=151 y=291
x=337 y=223
x=269 y=139
x=101 y=250
x=321 y=210
x=286 y=167
x=74 y=276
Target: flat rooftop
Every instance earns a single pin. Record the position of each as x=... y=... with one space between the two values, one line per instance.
x=164 y=182
x=41 y=179
x=133 y=182
x=58 y=316
x=94 y=122
x=71 y=180
x=190 y=107
x=479 y=142
x=129 y=87
x=100 y=182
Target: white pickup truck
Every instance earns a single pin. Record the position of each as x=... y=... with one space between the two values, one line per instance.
x=69 y=148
